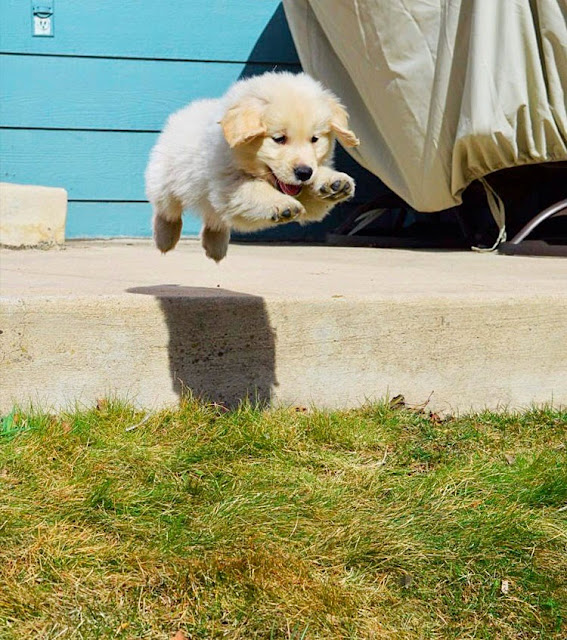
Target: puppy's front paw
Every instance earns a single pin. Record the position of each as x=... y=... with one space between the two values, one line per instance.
x=287 y=211
x=336 y=187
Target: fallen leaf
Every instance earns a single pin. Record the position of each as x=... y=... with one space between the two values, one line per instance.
x=179 y=636
x=398 y=402
x=435 y=418
x=418 y=467
x=510 y=459
x=101 y=404
x=405 y=580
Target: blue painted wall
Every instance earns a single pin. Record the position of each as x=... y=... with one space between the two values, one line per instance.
x=82 y=109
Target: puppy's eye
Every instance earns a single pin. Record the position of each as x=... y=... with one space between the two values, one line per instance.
x=314 y=139
x=280 y=139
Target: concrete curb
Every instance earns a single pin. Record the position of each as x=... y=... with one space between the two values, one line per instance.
x=147 y=348
x=286 y=325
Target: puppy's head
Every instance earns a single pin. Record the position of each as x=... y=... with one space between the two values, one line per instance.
x=282 y=127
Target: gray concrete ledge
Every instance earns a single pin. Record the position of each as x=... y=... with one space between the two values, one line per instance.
x=328 y=326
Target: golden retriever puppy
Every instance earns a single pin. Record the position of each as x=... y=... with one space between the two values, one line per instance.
x=259 y=156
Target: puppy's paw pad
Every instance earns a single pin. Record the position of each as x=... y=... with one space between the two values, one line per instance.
x=287 y=214
x=337 y=187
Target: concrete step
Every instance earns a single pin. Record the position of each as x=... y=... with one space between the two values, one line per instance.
x=328 y=326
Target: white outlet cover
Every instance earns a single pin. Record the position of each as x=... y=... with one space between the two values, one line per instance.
x=42 y=26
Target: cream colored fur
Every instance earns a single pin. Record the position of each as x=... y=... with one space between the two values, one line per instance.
x=228 y=159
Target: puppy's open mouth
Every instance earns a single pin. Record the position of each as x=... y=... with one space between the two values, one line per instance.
x=288 y=189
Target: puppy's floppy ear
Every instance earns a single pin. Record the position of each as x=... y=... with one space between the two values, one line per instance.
x=339 y=124
x=242 y=122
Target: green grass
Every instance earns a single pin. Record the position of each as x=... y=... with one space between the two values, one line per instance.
x=369 y=524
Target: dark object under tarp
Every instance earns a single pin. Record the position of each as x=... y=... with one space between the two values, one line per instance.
x=520 y=244
x=443 y=94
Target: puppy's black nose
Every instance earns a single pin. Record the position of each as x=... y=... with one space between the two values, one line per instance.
x=303 y=172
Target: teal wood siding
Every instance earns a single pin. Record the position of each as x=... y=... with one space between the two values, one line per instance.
x=82 y=109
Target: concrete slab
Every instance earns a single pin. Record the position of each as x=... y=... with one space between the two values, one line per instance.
x=32 y=215
x=329 y=326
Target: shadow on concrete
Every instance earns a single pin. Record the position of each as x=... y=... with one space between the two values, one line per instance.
x=221 y=345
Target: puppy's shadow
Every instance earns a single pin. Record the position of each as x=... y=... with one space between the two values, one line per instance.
x=221 y=345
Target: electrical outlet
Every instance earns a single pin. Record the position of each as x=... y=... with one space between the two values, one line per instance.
x=42 y=18
x=41 y=26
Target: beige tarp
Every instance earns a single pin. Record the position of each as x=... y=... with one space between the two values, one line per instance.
x=441 y=92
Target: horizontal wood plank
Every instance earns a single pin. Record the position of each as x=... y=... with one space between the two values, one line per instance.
x=91 y=165
x=95 y=93
x=247 y=30
x=116 y=219
x=133 y=220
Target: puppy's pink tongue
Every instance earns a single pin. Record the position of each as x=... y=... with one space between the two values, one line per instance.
x=288 y=189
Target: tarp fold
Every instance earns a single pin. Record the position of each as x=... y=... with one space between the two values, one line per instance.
x=441 y=92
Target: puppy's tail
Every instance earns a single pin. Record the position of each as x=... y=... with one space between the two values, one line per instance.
x=167 y=225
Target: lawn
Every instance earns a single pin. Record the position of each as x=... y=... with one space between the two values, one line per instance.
x=375 y=523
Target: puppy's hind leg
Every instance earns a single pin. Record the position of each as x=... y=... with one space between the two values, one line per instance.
x=215 y=241
x=167 y=223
